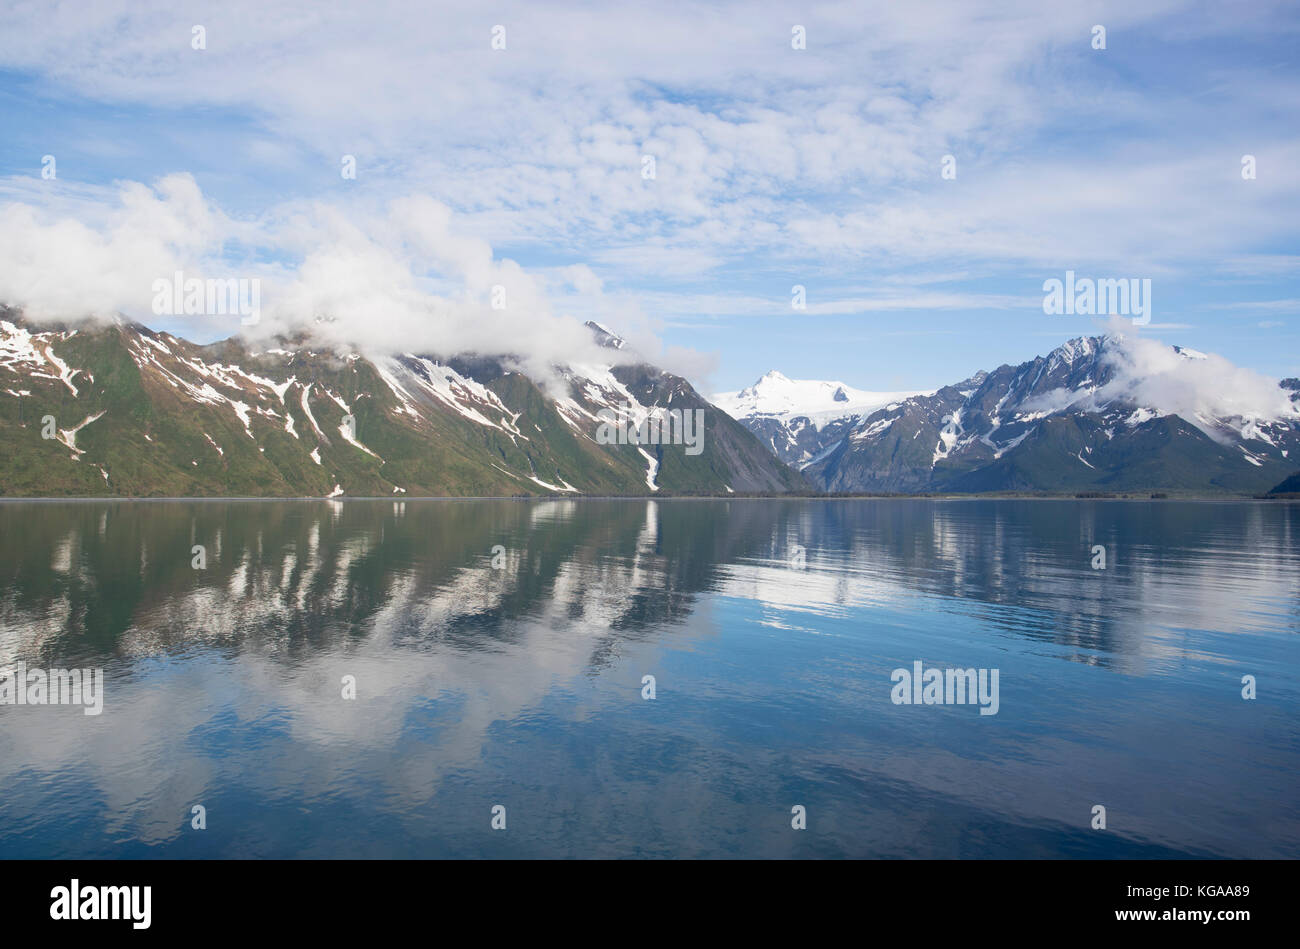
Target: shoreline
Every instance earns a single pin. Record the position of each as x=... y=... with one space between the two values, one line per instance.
x=1205 y=498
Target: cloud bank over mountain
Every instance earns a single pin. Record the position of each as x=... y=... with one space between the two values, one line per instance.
x=1198 y=387
x=401 y=281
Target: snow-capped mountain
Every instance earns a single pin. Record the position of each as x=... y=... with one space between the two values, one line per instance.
x=1106 y=413
x=120 y=409
x=799 y=418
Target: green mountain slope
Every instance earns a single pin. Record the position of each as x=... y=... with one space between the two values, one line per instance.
x=120 y=410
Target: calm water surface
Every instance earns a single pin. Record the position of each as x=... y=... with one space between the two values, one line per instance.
x=521 y=684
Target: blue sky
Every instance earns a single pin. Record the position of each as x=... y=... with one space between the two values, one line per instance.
x=523 y=167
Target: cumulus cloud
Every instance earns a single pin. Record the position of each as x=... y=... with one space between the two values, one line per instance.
x=401 y=280
x=1153 y=374
x=105 y=258
x=1198 y=387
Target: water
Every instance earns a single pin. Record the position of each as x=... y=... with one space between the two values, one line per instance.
x=522 y=686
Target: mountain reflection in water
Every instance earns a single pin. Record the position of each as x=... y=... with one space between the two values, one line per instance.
x=499 y=650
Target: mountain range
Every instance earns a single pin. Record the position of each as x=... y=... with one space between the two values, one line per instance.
x=1103 y=414
x=115 y=408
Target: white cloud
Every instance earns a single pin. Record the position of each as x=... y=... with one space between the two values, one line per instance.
x=362 y=281
x=831 y=151
x=1151 y=374
x=105 y=257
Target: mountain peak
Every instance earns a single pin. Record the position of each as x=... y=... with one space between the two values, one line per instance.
x=1079 y=347
x=605 y=336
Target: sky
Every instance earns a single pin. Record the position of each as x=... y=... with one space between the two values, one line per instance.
x=919 y=169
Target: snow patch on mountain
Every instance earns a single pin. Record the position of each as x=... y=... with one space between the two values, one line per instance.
x=306 y=408
x=68 y=436
x=413 y=377
x=652 y=468
x=30 y=353
x=563 y=486
x=948 y=438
